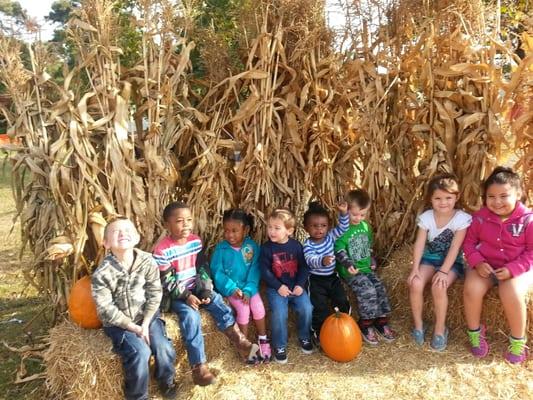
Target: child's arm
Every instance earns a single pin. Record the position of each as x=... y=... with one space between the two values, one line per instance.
x=524 y=262
x=152 y=292
x=265 y=265
x=254 y=274
x=303 y=270
x=169 y=280
x=312 y=258
x=418 y=250
x=441 y=276
x=106 y=309
x=342 y=226
x=224 y=284
x=342 y=256
x=473 y=256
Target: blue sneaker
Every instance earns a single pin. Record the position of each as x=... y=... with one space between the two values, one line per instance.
x=439 y=342
x=418 y=335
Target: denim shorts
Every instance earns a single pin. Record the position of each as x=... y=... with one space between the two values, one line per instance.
x=457 y=267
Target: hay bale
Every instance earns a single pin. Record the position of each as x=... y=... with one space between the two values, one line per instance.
x=80 y=363
x=394 y=276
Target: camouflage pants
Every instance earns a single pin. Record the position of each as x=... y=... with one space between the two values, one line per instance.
x=372 y=300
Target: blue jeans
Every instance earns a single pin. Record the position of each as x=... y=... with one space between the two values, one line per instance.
x=279 y=307
x=135 y=354
x=191 y=325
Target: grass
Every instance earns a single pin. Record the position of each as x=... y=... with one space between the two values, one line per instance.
x=22 y=321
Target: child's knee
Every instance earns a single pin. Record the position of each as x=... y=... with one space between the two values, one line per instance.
x=416 y=286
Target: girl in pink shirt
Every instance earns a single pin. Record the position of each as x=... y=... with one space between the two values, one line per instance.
x=499 y=250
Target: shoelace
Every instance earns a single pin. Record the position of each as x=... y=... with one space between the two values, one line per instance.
x=474 y=338
x=516 y=347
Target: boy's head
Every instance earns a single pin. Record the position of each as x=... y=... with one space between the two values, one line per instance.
x=280 y=225
x=316 y=221
x=178 y=220
x=358 y=205
x=120 y=234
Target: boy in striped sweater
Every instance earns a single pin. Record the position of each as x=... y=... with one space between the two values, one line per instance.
x=325 y=286
x=178 y=256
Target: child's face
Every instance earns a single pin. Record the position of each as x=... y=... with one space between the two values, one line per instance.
x=317 y=226
x=357 y=214
x=277 y=231
x=180 y=223
x=501 y=199
x=235 y=232
x=443 y=201
x=121 y=235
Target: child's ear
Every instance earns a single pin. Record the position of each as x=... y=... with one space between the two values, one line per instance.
x=290 y=231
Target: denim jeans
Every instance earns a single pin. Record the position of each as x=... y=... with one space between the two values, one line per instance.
x=135 y=355
x=190 y=322
x=279 y=307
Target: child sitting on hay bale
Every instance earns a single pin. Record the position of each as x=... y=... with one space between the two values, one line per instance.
x=176 y=255
x=127 y=291
x=437 y=256
x=354 y=262
x=235 y=267
x=499 y=249
x=325 y=286
x=285 y=272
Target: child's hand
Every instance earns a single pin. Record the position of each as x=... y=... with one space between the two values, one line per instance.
x=238 y=293
x=326 y=260
x=297 y=291
x=284 y=291
x=194 y=302
x=440 y=280
x=502 y=273
x=353 y=271
x=342 y=206
x=484 y=270
x=206 y=301
x=145 y=327
x=245 y=299
x=415 y=274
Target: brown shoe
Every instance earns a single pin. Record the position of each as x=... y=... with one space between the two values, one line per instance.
x=248 y=350
x=202 y=376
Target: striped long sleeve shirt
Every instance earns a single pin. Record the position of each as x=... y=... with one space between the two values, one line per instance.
x=177 y=264
x=315 y=252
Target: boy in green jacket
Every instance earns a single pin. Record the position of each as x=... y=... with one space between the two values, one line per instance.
x=353 y=251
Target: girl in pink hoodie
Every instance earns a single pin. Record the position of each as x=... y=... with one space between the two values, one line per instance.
x=499 y=250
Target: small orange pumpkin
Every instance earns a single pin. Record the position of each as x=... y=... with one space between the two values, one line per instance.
x=340 y=337
x=81 y=305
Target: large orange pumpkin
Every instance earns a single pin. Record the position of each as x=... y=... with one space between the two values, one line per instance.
x=81 y=305
x=340 y=337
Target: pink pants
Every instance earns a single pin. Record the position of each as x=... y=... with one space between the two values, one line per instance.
x=255 y=305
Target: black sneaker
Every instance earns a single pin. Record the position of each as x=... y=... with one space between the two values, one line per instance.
x=169 y=392
x=280 y=355
x=306 y=345
x=315 y=339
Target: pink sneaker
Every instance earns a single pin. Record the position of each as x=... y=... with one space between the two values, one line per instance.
x=264 y=350
x=517 y=351
x=479 y=347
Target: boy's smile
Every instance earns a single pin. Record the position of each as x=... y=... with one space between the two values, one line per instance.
x=121 y=235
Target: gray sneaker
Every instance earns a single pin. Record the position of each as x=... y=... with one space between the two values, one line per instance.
x=418 y=335
x=439 y=342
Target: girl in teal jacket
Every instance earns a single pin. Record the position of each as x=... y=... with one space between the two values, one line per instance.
x=236 y=274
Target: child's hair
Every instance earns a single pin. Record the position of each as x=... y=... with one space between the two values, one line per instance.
x=238 y=214
x=112 y=220
x=315 y=208
x=501 y=176
x=358 y=197
x=285 y=215
x=169 y=209
x=445 y=182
